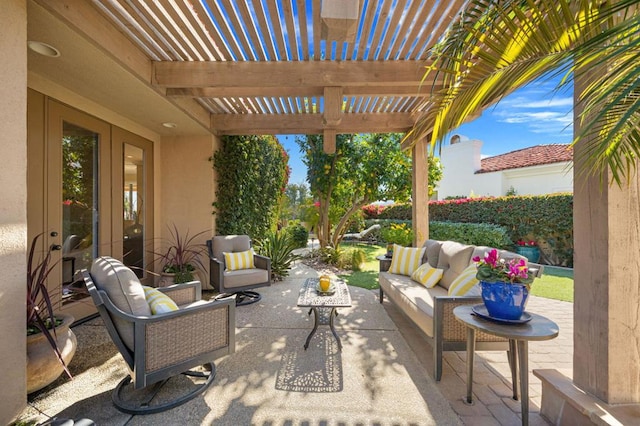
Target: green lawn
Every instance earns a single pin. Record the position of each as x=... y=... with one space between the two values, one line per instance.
x=552 y=285
x=368 y=277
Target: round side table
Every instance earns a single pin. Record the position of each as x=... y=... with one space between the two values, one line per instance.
x=519 y=335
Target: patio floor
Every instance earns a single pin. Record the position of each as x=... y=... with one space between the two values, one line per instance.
x=387 y=376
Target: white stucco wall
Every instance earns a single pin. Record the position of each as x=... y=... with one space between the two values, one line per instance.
x=462 y=160
x=459 y=162
x=13 y=208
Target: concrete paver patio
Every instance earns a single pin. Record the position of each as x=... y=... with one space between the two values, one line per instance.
x=493 y=404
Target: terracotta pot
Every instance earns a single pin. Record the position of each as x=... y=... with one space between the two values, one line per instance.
x=166 y=279
x=43 y=366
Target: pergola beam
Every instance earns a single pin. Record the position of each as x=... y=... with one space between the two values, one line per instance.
x=288 y=74
x=294 y=92
x=278 y=124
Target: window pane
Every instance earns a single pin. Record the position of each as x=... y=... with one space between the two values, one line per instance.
x=79 y=200
x=133 y=244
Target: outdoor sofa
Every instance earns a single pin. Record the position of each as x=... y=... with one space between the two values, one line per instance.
x=431 y=309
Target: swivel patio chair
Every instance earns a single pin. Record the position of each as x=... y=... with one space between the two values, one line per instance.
x=228 y=280
x=157 y=347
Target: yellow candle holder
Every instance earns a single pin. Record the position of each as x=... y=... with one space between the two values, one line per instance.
x=325 y=283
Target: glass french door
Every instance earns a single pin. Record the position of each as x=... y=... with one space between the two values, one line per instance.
x=78 y=223
x=135 y=198
x=90 y=193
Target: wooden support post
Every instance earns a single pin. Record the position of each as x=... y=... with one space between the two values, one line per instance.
x=332 y=106
x=329 y=141
x=420 y=193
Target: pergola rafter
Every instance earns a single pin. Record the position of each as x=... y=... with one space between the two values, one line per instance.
x=262 y=66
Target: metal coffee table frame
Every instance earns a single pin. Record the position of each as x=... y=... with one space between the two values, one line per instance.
x=324 y=307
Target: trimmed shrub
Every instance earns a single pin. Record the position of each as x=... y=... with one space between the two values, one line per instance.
x=396 y=211
x=546 y=219
x=299 y=235
x=477 y=234
x=376 y=235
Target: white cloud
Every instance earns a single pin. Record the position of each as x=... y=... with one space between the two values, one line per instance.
x=547 y=122
x=526 y=102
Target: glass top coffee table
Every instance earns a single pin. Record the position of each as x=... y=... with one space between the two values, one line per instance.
x=324 y=305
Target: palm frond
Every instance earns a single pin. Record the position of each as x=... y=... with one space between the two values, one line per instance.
x=496 y=47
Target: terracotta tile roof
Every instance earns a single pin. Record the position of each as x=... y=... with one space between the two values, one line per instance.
x=527 y=157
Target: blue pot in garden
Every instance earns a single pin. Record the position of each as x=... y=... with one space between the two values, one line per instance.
x=504 y=301
x=532 y=253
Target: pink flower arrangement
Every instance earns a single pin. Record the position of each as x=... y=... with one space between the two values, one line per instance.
x=523 y=243
x=493 y=269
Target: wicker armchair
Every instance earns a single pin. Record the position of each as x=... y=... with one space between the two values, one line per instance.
x=158 y=347
x=240 y=282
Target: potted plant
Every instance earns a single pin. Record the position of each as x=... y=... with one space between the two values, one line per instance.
x=50 y=342
x=528 y=249
x=505 y=285
x=182 y=257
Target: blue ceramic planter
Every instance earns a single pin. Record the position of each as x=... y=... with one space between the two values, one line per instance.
x=504 y=300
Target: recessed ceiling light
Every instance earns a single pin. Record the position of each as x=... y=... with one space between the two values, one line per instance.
x=43 y=49
x=169 y=125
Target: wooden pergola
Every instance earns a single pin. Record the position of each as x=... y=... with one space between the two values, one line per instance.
x=275 y=67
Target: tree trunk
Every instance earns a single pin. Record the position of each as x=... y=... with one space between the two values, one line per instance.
x=338 y=233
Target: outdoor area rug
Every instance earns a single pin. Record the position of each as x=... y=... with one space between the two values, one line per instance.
x=271 y=379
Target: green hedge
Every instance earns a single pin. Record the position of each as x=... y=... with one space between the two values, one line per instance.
x=252 y=173
x=546 y=219
x=477 y=234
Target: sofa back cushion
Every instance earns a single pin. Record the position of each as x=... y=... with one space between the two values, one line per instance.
x=124 y=290
x=432 y=252
x=229 y=244
x=453 y=259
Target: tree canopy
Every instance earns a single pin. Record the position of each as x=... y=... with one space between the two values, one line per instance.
x=365 y=168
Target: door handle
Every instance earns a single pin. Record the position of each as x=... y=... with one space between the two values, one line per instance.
x=56 y=247
x=53 y=234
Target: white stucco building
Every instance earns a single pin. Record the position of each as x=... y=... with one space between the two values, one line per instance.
x=537 y=170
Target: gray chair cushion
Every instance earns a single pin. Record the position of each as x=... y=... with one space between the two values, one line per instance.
x=125 y=291
x=229 y=244
x=244 y=277
x=453 y=258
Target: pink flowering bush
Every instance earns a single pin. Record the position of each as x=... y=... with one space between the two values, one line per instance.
x=493 y=269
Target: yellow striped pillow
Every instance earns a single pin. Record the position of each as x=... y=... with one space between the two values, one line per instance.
x=427 y=275
x=159 y=303
x=239 y=260
x=405 y=260
x=463 y=284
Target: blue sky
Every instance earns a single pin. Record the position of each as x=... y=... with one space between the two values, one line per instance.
x=532 y=115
